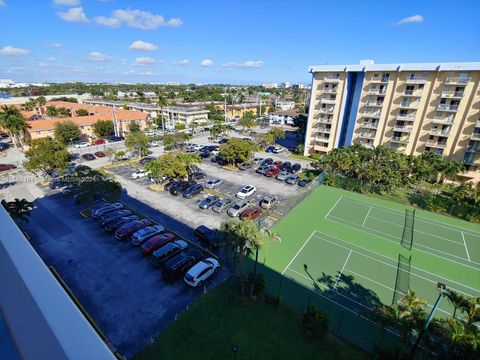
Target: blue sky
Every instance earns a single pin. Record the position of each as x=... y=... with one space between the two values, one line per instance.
x=225 y=41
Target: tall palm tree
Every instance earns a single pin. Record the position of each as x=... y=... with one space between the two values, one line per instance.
x=29 y=105
x=471 y=308
x=456 y=299
x=40 y=101
x=461 y=343
x=12 y=120
x=18 y=209
x=162 y=102
x=270 y=236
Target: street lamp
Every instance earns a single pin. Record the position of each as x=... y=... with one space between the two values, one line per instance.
x=234 y=350
x=442 y=289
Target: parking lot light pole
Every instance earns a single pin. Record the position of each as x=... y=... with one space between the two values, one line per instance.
x=234 y=350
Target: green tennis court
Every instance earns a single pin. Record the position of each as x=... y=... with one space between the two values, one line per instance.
x=346 y=246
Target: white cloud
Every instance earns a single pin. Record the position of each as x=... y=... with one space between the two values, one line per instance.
x=55 y=45
x=123 y=61
x=144 y=60
x=74 y=15
x=13 y=51
x=182 y=62
x=245 y=64
x=206 y=62
x=96 y=56
x=411 y=19
x=136 y=19
x=67 y=2
x=143 y=46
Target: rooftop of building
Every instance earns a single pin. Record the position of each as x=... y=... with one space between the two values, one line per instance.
x=369 y=65
x=145 y=106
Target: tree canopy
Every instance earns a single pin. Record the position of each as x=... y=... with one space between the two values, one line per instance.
x=46 y=156
x=18 y=209
x=273 y=134
x=247 y=120
x=12 y=120
x=66 y=131
x=103 y=128
x=173 y=166
x=236 y=151
x=137 y=142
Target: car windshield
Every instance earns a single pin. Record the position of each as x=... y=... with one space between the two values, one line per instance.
x=236 y=207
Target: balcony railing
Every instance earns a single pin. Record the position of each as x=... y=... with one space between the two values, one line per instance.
x=322 y=140
x=369 y=125
x=475 y=136
x=417 y=80
x=326 y=110
x=416 y=93
x=374 y=114
x=447 y=107
x=377 y=91
x=408 y=117
x=444 y=120
x=438 y=132
x=327 y=101
x=433 y=143
x=323 y=130
x=382 y=79
x=399 y=140
x=406 y=129
x=473 y=149
x=330 y=78
x=409 y=105
x=329 y=90
x=457 y=80
x=374 y=103
x=452 y=94
x=367 y=136
x=324 y=120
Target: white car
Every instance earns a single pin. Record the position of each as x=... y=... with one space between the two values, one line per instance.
x=154 y=144
x=82 y=144
x=201 y=271
x=238 y=208
x=277 y=150
x=198 y=147
x=105 y=209
x=140 y=173
x=246 y=192
x=142 y=235
x=212 y=183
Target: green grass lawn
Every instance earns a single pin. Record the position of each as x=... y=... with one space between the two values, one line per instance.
x=261 y=331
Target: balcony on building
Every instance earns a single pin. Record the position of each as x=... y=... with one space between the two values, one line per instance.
x=439 y=132
x=374 y=103
x=379 y=79
x=326 y=110
x=400 y=128
x=451 y=94
x=377 y=91
x=331 y=79
x=328 y=90
x=447 y=107
x=448 y=120
x=457 y=80
x=369 y=125
x=475 y=136
x=408 y=105
x=323 y=130
x=372 y=113
x=366 y=135
x=417 y=80
x=324 y=120
x=399 y=140
x=413 y=93
x=324 y=100
x=407 y=117
x=473 y=149
x=320 y=148
x=435 y=144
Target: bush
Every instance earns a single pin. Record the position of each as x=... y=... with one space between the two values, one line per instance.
x=315 y=322
x=180 y=126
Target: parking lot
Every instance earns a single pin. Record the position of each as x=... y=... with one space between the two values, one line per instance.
x=187 y=210
x=120 y=288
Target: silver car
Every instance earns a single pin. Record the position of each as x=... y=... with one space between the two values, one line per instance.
x=222 y=205
x=238 y=208
x=142 y=235
x=282 y=176
x=209 y=201
x=105 y=209
x=268 y=202
x=212 y=183
x=292 y=179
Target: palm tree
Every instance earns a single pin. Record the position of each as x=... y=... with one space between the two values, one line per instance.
x=12 y=120
x=456 y=299
x=450 y=170
x=29 y=105
x=162 y=102
x=40 y=101
x=270 y=236
x=18 y=209
x=461 y=343
x=471 y=308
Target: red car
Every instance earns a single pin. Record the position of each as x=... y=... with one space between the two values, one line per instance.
x=272 y=172
x=277 y=163
x=98 y=142
x=6 y=167
x=128 y=229
x=156 y=242
x=99 y=154
x=251 y=214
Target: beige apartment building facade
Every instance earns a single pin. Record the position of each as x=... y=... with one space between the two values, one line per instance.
x=409 y=107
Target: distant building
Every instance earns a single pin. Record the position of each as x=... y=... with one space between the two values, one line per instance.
x=270 y=86
x=285 y=85
x=284 y=105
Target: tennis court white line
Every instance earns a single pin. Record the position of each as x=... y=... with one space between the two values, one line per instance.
x=333 y=207
x=417 y=217
x=298 y=252
x=395 y=262
x=396 y=241
x=341 y=271
x=366 y=217
x=465 y=243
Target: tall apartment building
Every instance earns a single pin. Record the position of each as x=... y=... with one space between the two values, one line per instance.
x=409 y=107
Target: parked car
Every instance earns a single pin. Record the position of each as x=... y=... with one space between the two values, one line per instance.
x=167 y=251
x=270 y=149
x=251 y=214
x=6 y=167
x=204 y=155
x=146 y=160
x=277 y=150
x=208 y=202
x=115 y=224
x=304 y=182
x=215 y=158
x=197 y=175
x=98 y=142
x=193 y=191
x=238 y=208
x=88 y=156
x=127 y=230
x=178 y=265
x=140 y=173
x=246 y=166
x=272 y=172
x=282 y=175
x=286 y=166
x=113 y=215
x=201 y=271
x=142 y=235
x=223 y=141
x=99 y=154
x=277 y=163
x=180 y=187
x=106 y=209
x=212 y=183
x=268 y=202
x=116 y=138
x=292 y=179
x=267 y=161
x=258 y=160
x=295 y=168
x=222 y=205
x=82 y=144
x=57 y=183
x=262 y=169
x=156 y=242
x=246 y=191
x=197 y=147
x=206 y=235
x=169 y=185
